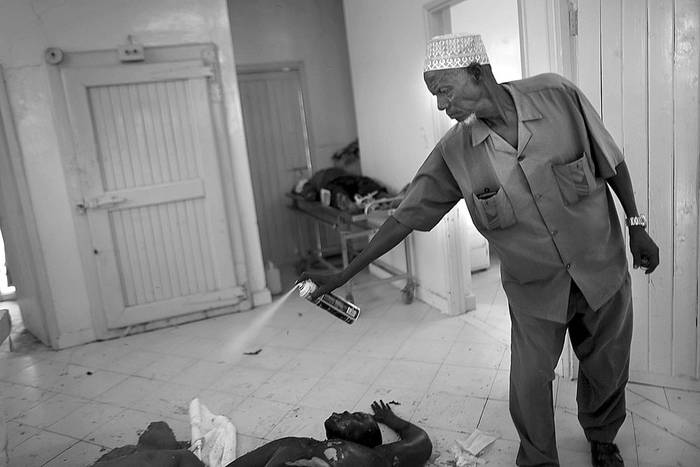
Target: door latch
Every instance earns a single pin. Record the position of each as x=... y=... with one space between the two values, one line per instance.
x=100 y=202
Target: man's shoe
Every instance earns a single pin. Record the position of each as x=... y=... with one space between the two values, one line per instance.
x=605 y=455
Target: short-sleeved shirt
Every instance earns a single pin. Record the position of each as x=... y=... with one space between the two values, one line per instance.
x=544 y=206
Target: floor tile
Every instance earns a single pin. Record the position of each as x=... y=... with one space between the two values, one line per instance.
x=166 y=368
x=409 y=375
x=496 y=418
x=449 y=412
x=653 y=393
x=424 y=350
x=286 y=387
x=257 y=417
x=219 y=402
x=464 y=381
x=85 y=382
x=302 y=421
x=18 y=399
x=77 y=455
x=202 y=374
x=447 y=329
x=17 y=433
x=359 y=369
x=84 y=420
x=269 y=358
x=334 y=395
x=481 y=355
x=313 y=362
x=39 y=449
x=130 y=390
x=241 y=381
x=245 y=443
x=50 y=411
x=501 y=386
x=685 y=403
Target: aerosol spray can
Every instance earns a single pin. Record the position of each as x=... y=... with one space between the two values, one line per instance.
x=330 y=302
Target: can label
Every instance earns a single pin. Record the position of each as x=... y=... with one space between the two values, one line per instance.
x=341 y=309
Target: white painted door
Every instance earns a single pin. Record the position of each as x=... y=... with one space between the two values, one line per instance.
x=278 y=151
x=153 y=198
x=638 y=62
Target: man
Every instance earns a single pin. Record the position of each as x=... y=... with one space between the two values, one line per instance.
x=533 y=163
x=354 y=440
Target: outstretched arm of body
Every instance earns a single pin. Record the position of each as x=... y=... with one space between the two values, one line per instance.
x=390 y=234
x=645 y=253
x=413 y=449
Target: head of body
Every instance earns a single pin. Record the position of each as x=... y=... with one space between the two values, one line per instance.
x=470 y=92
x=358 y=427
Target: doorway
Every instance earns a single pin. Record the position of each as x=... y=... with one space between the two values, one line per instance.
x=7 y=289
x=277 y=135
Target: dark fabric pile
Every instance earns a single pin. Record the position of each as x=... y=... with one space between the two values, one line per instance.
x=156 y=447
x=343 y=187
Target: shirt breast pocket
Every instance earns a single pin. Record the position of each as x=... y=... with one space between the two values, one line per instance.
x=575 y=179
x=494 y=210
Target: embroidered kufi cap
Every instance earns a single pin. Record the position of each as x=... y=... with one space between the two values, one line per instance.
x=454 y=51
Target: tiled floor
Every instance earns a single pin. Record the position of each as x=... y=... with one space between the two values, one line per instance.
x=449 y=375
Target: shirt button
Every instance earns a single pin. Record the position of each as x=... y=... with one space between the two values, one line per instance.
x=568 y=266
x=520 y=158
x=554 y=232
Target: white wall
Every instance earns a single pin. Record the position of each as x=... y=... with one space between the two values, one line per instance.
x=395 y=111
x=26 y=29
x=313 y=32
x=497 y=22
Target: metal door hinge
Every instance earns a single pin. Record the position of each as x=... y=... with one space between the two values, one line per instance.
x=573 y=20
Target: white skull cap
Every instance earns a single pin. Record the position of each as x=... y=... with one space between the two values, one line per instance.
x=454 y=51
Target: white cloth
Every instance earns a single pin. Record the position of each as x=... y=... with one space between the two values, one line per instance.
x=213 y=436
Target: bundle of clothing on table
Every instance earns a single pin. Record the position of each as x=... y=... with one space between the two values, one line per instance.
x=344 y=190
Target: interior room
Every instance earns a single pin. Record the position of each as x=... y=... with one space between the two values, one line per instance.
x=169 y=169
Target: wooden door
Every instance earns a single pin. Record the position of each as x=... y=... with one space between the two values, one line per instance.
x=152 y=188
x=278 y=151
x=638 y=64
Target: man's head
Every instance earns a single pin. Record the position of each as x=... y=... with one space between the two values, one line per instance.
x=357 y=427
x=457 y=72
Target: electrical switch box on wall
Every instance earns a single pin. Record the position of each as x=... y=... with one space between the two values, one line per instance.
x=130 y=53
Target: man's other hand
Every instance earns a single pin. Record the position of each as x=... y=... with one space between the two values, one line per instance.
x=645 y=253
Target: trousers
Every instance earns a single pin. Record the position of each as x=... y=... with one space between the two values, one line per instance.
x=601 y=340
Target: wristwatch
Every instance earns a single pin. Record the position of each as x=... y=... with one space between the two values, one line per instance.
x=637 y=221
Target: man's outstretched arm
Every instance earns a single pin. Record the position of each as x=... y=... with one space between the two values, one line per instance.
x=390 y=234
x=413 y=449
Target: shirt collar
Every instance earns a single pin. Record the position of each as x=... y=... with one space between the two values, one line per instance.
x=525 y=108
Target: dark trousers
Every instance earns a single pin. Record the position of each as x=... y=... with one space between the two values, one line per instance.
x=601 y=340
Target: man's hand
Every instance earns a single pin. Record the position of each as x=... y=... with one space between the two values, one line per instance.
x=645 y=253
x=326 y=282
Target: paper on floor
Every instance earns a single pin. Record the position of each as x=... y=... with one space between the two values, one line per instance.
x=466 y=452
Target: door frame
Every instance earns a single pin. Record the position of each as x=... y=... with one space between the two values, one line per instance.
x=298 y=66
x=21 y=233
x=286 y=66
x=207 y=53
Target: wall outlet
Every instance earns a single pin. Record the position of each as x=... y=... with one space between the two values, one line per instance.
x=130 y=53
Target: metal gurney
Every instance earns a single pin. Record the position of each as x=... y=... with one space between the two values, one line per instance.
x=353 y=226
